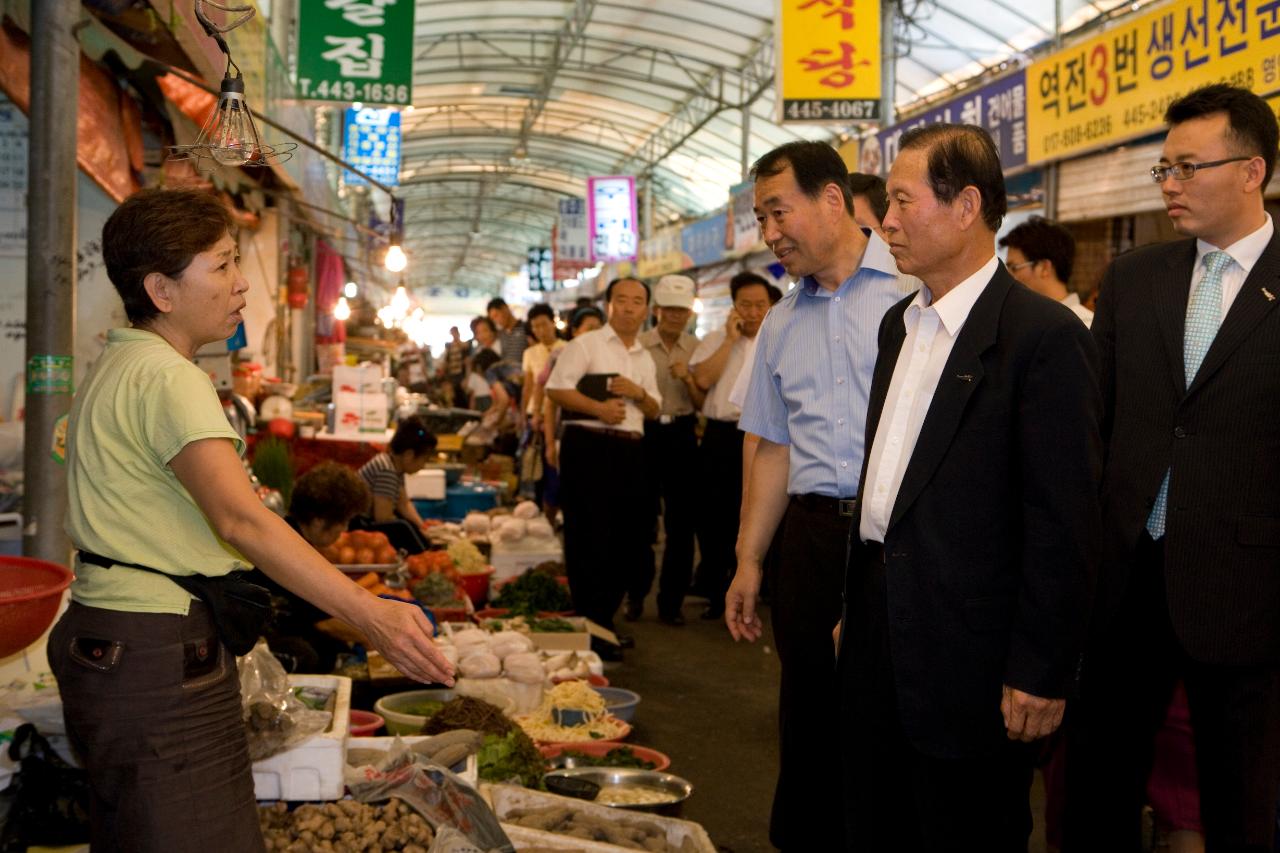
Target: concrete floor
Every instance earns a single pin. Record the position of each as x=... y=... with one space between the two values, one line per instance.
x=711 y=705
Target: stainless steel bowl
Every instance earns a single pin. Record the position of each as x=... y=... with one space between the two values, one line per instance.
x=606 y=777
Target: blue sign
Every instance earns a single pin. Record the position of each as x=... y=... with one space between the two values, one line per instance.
x=371 y=143
x=702 y=242
x=1000 y=108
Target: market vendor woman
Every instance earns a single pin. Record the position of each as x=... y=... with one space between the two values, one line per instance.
x=390 y=511
x=150 y=693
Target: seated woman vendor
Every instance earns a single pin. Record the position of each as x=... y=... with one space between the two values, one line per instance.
x=390 y=510
x=324 y=501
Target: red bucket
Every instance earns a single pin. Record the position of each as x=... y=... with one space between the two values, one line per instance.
x=30 y=593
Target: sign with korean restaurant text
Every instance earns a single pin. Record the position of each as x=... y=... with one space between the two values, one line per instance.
x=999 y=108
x=1117 y=85
x=371 y=143
x=828 y=60
x=611 y=218
x=356 y=50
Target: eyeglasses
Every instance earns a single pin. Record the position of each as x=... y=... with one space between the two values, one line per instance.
x=1016 y=267
x=1187 y=171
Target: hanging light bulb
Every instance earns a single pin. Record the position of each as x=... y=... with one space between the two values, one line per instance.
x=341 y=311
x=395 y=259
x=351 y=290
x=697 y=306
x=400 y=302
x=231 y=137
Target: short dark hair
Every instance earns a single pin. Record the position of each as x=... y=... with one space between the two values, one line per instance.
x=583 y=313
x=484 y=359
x=870 y=187
x=486 y=321
x=608 y=291
x=815 y=164
x=1253 y=125
x=746 y=278
x=959 y=156
x=158 y=230
x=1038 y=239
x=542 y=309
x=495 y=302
x=330 y=492
x=412 y=434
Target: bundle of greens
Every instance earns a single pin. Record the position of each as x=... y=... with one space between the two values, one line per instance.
x=438 y=591
x=503 y=758
x=620 y=757
x=532 y=592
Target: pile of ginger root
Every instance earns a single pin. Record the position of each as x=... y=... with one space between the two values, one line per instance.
x=344 y=827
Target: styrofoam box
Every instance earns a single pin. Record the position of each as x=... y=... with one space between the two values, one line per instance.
x=469 y=772
x=312 y=770
x=511 y=562
x=503 y=798
x=426 y=485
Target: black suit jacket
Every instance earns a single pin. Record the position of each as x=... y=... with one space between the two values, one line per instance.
x=991 y=543
x=1220 y=438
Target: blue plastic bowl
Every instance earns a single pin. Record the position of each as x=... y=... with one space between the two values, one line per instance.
x=618 y=702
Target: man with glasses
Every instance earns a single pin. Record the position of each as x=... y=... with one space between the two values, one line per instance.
x=1040 y=254
x=1189 y=586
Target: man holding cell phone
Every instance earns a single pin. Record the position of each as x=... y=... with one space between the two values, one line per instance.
x=607 y=384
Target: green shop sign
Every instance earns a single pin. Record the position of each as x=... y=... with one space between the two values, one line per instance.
x=356 y=50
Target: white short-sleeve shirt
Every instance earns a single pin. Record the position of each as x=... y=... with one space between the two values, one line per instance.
x=602 y=351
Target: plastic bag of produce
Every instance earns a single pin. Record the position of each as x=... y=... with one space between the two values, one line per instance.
x=441 y=797
x=526 y=510
x=275 y=718
x=476 y=523
x=524 y=667
x=539 y=528
x=480 y=665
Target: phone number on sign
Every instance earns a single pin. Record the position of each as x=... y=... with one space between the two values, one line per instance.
x=1078 y=134
x=830 y=110
x=346 y=90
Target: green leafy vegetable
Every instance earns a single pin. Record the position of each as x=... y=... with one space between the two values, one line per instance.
x=511 y=756
x=532 y=592
x=623 y=756
x=436 y=590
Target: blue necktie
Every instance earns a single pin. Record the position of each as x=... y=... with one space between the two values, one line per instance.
x=1204 y=316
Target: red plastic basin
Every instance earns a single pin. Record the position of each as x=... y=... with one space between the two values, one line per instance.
x=476 y=586
x=30 y=593
x=364 y=723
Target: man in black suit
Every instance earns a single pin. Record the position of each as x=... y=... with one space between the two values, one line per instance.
x=968 y=579
x=1189 y=586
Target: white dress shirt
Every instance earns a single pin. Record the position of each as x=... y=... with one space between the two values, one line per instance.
x=932 y=329
x=719 y=404
x=1072 y=301
x=602 y=351
x=1245 y=252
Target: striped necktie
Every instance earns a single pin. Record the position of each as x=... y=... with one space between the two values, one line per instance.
x=1204 y=316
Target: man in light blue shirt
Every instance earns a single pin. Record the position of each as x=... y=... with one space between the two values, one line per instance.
x=807 y=401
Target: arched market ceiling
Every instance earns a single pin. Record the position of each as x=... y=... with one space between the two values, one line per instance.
x=518 y=102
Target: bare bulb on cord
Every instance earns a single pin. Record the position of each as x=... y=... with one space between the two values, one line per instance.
x=341 y=311
x=232 y=141
x=395 y=260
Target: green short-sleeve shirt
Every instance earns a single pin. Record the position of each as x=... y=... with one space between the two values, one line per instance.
x=140 y=405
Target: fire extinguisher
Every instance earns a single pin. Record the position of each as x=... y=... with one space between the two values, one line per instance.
x=297 y=286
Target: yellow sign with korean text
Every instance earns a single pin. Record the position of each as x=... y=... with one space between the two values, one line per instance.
x=828 y=56
x=660 y=253
x=1117 y=85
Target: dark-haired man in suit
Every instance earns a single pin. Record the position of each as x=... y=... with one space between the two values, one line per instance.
x=967 y=584
x=1189 y=337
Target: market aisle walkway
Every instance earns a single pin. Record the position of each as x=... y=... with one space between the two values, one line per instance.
x=710 y=704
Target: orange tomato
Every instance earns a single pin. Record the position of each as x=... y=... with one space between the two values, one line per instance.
x=385 y=554
x=364 y=556
x=346 y=555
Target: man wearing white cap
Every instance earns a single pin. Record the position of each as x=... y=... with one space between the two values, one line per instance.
x=671 y=446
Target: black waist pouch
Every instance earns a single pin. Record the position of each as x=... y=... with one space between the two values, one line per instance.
x=240 y=609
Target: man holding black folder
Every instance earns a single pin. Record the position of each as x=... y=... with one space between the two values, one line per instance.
x=607 y=384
